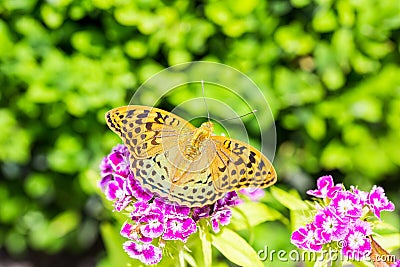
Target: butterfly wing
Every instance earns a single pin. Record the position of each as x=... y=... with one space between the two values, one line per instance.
x=155 y=174
x=238 y=165
x=148 y=131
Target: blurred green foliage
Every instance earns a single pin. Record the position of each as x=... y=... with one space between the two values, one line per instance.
x=329 y=70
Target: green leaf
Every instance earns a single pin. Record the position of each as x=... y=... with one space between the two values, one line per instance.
x=250 y=214
x=189 y=259
x=288 y=200
x=64 y=223
x=389 y=242
x=113 y=243
x=235 y=248
x=300 y=218
x=205 y=238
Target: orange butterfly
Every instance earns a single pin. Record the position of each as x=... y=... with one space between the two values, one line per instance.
x=188 y=165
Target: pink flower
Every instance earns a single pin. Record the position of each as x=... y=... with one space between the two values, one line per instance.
x=133 y=232
x=255 y=194
x=347 y=204
x=115 y=191
x=357 y=245
x=220 y=217
x=179 y=229
x=152 y=218
x=377 y=201
x=152 y=224
x=340 y=221
x=307 y=238
x=362 y=194
x=325 y=188
x=330 y=226
x=146 y=253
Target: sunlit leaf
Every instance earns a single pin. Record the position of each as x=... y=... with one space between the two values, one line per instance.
x=235 y=248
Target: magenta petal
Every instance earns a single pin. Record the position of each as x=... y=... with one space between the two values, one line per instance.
x=115 y=189
x=221 y=216
x=104 y=182
x=132 y=187
x=146 y=253
x=298 y=238
x=324 y=184
x=307 y=238
x=122 y=203
x=179 y=228
x=348 y=204
x=140 y=209
x=175 y=210
x=152 y=225
x=132 y=232
x=378 y=201
x=230 y=199
x=330 y=226
x=333 y=190
x=362 y=195
x=215 y=225
x=255 y=194
x=356 y=244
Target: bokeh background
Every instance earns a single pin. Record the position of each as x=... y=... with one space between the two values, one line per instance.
x=329 y=70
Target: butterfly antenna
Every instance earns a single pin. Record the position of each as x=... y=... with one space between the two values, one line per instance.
x=204 y=98
x=238 y=117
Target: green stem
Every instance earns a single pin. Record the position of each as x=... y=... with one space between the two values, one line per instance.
x=205 y=238
x=181 y=255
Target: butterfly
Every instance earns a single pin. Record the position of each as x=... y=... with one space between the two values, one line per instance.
x=188 y=165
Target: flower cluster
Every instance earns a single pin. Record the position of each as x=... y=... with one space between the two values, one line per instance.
x=340 y=219
x=152 y=219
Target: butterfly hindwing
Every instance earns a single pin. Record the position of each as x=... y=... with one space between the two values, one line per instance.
x=156 y=174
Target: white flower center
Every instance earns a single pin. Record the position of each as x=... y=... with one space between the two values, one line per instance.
x=356 y=240
x=176 y=226
x=311 y=235
x=344 y=205
x=154 y=223
x=330 y=225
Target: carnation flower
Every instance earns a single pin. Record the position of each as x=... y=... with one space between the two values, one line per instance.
x=357 y=245
x=154 y=220
x=341 y=221
x=307 y=238
x=325 y=188
x=347 y=204
x=378 y=202
x=254 y=194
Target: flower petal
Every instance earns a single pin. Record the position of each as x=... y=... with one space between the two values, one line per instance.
x=146 y=253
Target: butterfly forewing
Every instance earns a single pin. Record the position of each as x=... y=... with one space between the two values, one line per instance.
x=148 y=131
x=239 y=165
